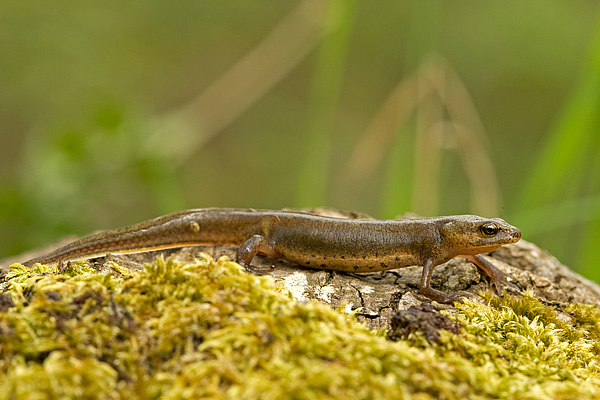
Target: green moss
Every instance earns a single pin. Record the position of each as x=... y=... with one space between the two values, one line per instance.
x=210 y=330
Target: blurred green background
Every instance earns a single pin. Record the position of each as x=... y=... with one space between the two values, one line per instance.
x=115 y=112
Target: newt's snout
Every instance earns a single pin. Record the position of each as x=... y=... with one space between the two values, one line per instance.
x=516 y=235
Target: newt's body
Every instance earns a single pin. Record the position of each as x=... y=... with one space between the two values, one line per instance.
x=354 y=245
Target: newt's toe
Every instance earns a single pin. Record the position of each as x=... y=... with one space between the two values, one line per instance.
x=501 y=283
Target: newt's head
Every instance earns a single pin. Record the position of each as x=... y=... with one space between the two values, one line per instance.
x=470 y=234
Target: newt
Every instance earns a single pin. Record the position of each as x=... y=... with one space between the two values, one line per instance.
x=314 y=241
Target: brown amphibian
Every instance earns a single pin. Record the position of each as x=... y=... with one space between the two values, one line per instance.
x=314 y=241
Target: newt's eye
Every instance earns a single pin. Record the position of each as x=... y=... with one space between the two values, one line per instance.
x=489 y=229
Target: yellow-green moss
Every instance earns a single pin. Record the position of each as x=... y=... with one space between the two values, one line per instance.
x=210 y=330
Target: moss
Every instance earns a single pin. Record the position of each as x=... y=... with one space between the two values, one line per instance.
x=210 y=330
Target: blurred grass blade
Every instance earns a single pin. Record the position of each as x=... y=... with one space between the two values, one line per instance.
x=589 y=261
x=429 y=138
x=473 y=145
x=366 y=155
x=380 y=133
x=181 y=132
x=571 y=142
x=325 y=89
x=568 y=168
x=422 y=36
x=446 y=118
x=480 y=170
x=399 y=174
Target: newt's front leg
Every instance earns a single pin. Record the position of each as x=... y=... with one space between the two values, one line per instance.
x=434 y=294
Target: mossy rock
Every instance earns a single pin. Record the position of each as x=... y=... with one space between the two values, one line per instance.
x=208 y=329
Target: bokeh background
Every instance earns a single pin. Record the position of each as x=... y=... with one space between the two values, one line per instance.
x=115 y=112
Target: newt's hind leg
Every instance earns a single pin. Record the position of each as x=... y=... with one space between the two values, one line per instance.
x=251 y=247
